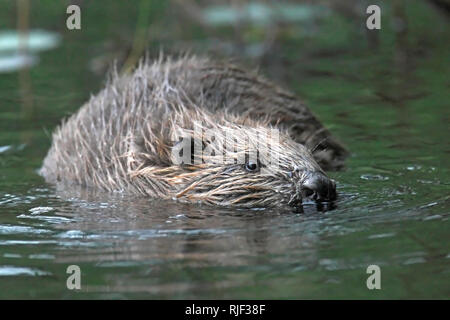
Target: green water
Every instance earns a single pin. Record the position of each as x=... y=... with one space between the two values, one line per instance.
x=389 y=103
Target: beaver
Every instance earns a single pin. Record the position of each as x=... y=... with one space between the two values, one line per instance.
x=131 y=135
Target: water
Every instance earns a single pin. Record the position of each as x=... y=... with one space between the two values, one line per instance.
x=388 y=105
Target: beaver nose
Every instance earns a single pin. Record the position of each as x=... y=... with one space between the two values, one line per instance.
x=319 y=187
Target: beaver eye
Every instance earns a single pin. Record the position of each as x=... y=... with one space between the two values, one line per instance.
x=251 y=166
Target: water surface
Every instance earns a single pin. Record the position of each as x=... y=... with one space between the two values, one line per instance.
x=389 y=104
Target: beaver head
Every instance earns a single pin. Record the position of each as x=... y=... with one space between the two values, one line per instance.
x=226 y=160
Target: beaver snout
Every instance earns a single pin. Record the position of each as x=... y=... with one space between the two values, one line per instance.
x=318 y=187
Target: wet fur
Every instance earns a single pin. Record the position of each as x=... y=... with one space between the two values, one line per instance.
x=122 y=138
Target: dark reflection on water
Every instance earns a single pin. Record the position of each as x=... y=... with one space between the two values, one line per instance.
x=389 y=106
x=138 y=247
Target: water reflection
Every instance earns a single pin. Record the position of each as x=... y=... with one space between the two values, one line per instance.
x=386 y=102
x=152 y=229
x=137 y=245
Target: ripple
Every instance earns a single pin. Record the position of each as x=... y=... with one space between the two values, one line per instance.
x=50 y=219
x=71 y=234
x=12 y=255
x=415 y=260
x=26 y=242
x=114 y=264
x=138 y=234
x=8 y=229
x=433 y=217
x=375 y=177
x=150 y=233
x=10 y=198
x=432 y=204
x=39 y=210
x=381 y=235
x=41 y=256
x=413 y=167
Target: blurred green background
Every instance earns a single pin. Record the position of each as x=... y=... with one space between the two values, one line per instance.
x=384 y=93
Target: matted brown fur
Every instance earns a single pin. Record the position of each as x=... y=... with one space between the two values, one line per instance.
x=122 y=138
